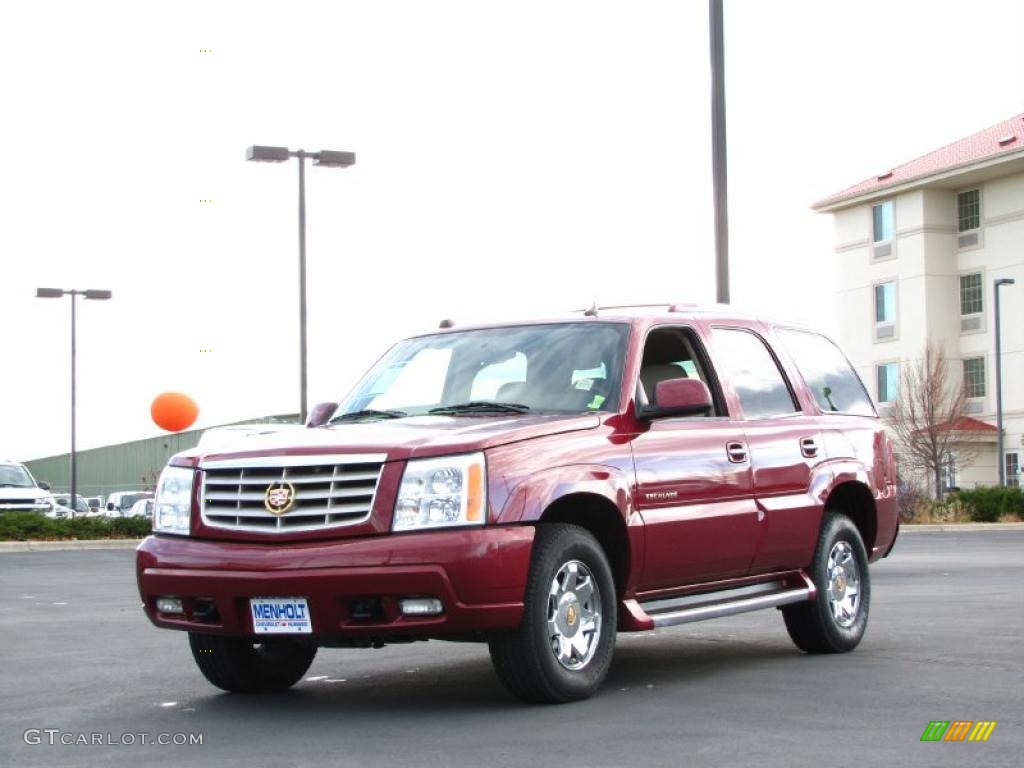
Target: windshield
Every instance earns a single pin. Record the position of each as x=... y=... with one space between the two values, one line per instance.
x=64 y=499
x=13 y=476
x=560 y=367
x=129 y=499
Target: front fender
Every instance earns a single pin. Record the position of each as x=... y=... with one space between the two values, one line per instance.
x=527 y=501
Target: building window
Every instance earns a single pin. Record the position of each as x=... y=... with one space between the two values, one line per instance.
x=968 y=210
x=949 y=472
x=888 y=377
x=883 y=221
x=885 y=310
x=970 y=294
x=974 y=376
x=1012 y=464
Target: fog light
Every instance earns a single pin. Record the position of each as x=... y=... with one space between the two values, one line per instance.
x=169 y=605
x=421 y=606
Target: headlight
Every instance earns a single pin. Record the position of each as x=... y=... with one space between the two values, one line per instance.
x=44 y=502
x=172 y=509
x=441 y=493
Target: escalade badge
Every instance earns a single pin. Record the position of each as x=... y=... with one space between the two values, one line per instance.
x=279 y=498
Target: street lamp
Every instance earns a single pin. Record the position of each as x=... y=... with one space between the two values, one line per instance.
x=330 y=159
x=999 y=381
x=95 y=295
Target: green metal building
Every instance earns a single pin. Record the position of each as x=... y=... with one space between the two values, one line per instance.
x=133 y=466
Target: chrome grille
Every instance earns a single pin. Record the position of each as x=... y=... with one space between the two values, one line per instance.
x=330 y=491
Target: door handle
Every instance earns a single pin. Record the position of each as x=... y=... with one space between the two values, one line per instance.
x=808 y=447
x=736 y=451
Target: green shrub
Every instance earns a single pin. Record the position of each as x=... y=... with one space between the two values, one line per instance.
x=24 y=526
x=989 y=504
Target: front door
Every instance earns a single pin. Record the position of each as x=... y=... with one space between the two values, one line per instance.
x=695 y=494
x=694 y=486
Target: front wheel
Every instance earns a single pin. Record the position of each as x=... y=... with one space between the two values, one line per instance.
x=563 y=647
x=837 y=618
x=242 y=666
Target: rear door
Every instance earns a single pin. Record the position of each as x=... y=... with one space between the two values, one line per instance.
x=784 y=444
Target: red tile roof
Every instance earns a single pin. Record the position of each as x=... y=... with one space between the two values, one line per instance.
x=967 y=424
x=1007 y=136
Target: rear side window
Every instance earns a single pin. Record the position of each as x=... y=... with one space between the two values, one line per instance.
x=745 y=361
x=829 y=375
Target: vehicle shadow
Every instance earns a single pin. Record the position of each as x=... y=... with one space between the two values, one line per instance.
x=470 y=685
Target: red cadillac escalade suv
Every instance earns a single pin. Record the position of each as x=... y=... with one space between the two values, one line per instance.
x=538 y=486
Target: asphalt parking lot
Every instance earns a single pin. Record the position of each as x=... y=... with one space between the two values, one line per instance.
x=945 y=642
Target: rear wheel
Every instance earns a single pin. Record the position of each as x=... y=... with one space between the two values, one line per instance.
x=563 y=647
x=240 y=665
x=836 y=620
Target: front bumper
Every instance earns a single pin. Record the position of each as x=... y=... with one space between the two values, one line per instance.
x=478 y=574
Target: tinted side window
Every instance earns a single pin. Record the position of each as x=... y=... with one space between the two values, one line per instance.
x=831 y=379
x=745 y=361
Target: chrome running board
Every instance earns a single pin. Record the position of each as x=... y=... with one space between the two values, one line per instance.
x=712 y=605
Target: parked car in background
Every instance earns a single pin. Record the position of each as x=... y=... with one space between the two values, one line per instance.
x=120 y=502
x=141 y=508
x=96 y=503
x=60 y=511
x=80 y=509
x=20 y=492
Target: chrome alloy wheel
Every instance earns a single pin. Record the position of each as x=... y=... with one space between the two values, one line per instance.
x=574 y=615
x=843 y=584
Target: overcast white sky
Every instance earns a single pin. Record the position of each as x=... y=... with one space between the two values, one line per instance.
x=514 y=159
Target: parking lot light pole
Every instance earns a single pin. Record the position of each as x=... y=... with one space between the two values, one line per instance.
x=95 y=295
x=999 y=381
x=330 y=159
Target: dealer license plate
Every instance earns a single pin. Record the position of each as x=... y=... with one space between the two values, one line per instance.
x=273 y=615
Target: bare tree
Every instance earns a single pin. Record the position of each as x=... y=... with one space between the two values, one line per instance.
x=927 y=415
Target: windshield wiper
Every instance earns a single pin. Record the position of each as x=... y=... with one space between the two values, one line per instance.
x=368 y=413
x=481 y=406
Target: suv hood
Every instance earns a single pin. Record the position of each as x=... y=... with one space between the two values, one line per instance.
x=410 y=437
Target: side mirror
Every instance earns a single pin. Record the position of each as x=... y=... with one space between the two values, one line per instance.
x=678 y=397
x=110 y=506
x=320 y=414
x=44 y=485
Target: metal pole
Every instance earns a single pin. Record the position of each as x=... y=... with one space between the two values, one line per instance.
x=74 y=466
x=999 y=393
x=718 y=154
x=302 y=285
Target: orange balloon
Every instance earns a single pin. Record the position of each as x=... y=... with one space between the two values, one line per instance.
x=174 y=411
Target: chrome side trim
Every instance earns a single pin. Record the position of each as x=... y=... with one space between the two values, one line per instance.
x=715 y=608
x=295 y=461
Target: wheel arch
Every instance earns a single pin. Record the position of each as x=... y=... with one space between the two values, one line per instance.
x=855 y=500
x=602 y=519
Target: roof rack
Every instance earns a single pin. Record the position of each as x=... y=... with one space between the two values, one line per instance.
x=672 y=307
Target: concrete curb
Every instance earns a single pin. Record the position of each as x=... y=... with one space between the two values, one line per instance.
x=926 y=527
x=57 y=546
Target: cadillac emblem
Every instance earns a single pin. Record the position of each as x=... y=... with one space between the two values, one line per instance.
x=279 y=498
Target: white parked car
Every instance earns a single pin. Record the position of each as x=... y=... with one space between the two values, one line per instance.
x=19 y=491
x=62 y=505
x=141 y=508
x=120 y=503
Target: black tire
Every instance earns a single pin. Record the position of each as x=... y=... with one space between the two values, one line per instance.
x=524 y=659
x=814 y=626
x=241 y=665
